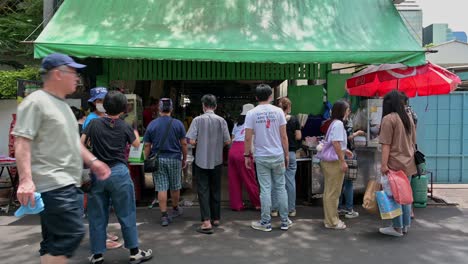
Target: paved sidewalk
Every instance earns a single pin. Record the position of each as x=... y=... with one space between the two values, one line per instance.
x=452 y=194
x=438 y=235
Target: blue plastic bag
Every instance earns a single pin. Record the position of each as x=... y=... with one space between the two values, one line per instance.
x=388 y=208
x=39 y=206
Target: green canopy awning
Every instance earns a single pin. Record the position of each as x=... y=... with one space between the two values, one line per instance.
x=266 y=31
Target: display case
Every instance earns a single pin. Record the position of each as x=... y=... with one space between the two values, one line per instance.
x=374 y=118
x=134 y=115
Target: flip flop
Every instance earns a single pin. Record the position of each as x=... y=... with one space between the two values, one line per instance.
x=215 y=223
x=207 y=231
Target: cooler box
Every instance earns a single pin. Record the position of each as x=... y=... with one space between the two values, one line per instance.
x=419 y=186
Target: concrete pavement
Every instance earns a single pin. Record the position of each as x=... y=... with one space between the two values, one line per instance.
x=438 y=235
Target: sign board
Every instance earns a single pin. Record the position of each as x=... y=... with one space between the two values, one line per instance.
x=137 y=155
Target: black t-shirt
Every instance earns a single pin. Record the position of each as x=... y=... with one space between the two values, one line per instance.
x=291 y=127
x=109 y=139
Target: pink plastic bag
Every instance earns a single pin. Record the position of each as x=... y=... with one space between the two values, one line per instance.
x=401 y=187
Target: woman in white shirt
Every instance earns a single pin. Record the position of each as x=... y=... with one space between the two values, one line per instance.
x=333 y=171
x=238 y=174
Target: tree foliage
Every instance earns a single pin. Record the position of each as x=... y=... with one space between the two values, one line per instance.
x=8 y=80
x=18 y=19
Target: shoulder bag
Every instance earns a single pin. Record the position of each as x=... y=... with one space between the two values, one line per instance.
x=151 y=164
x=327 y=151
x=420 y=160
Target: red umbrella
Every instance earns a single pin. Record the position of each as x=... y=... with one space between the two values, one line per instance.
x=424 y=80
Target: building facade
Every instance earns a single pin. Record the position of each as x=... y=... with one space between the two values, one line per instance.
x=411 y=13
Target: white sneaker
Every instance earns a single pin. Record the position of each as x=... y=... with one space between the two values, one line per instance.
x=286 y=225
x=351 y=214
x=292 y=213
x=258 y=225
x=390 y=231
x=274 y=213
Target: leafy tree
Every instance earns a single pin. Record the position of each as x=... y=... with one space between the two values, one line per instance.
x=18 y=19
x=8 y=80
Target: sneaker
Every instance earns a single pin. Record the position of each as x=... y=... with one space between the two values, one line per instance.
x=274 y=213
x=351 y=214
x=165 y=220
x=292 y=213
x=141 y=256
x=93 y=260
x=177 y=212
x=258 y=225
x=286 y=225
x=390 y=231
x=405 y=230
x=342 y=212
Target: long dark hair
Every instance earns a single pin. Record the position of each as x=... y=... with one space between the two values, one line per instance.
x=392 y=103
x=240 y=120
x=339 y=110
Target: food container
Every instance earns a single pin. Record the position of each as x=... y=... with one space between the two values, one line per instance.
x=360 y=141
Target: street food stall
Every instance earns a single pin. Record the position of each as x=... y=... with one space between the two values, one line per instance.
x=256 y=42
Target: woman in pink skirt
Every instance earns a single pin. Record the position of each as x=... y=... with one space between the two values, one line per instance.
x=237 y=172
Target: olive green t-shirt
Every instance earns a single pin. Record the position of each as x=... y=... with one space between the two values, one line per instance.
x=55 y=144
x=393 y=133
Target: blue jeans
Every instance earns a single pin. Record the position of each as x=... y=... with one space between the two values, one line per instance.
x=119 y=188
x=270 y=173
x=290 y=176
x=347 y=193
x=404 y=220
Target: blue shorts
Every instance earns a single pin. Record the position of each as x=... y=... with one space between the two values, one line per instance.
x=61 y=221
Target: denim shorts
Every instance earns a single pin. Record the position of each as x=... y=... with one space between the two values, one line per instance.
x=61 y=221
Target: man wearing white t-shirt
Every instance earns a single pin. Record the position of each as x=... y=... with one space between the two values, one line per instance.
x=268 y=123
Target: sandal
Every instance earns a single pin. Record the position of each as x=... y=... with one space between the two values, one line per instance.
x=112 y=244
x=340 y=226
x=215 y=223
x=207 y=231
x=112 y=237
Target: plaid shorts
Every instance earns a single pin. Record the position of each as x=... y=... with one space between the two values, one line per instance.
x=169 y=175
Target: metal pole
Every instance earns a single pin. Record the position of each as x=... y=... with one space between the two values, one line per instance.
x=48 y=11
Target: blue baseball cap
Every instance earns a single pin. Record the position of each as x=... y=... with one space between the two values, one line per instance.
x=57 y=59
x=97 y=93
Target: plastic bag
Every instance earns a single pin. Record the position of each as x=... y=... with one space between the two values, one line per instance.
x=386 y=185
x=388 y=208
x=370 y=202
x=401 y=187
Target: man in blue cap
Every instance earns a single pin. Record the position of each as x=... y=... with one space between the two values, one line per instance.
x=48 y=150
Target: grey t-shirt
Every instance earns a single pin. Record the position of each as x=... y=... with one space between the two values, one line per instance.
x=55 y=143
x=210 y=131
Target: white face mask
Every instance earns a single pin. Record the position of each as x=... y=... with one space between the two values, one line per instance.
x=100 y=108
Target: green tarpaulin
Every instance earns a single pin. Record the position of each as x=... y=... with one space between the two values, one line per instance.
x=278 y=31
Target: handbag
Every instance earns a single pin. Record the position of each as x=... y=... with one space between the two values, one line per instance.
x=352 y=172
x=327 y=152
x=151 y=164
x=400 y=186
x=420 y=160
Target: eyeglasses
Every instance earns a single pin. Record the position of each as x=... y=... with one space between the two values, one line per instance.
x=71 y=72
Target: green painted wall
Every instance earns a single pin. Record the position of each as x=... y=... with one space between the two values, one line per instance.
x=308 y=99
